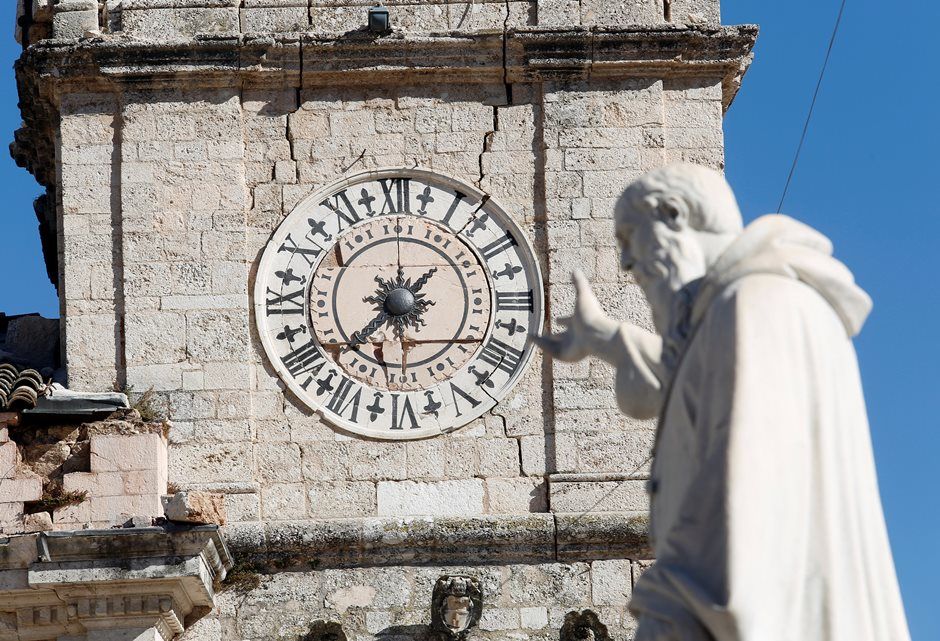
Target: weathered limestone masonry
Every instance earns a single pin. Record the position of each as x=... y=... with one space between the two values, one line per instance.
x=174 y=136
x=111 y=468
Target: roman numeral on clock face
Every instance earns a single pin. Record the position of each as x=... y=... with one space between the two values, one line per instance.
x=338 y=403
x=283 y=304
x=499 y=245
x=309 y=254
x=306 y=359
x=397 y=195
x=402 y=412
x=344 y=210
x=514 y=301
x=498 y=354
x=455 y=392
x=458 y=197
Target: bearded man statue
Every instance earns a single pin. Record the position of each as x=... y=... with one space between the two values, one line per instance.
x=766 y=520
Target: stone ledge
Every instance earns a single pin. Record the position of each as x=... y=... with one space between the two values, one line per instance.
x=612 y=535
x=30 y=551
x=519 y=55
x=529 y=538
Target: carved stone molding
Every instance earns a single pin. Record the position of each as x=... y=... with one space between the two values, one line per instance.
x=83 y=614
x=532 y=54
x=73 y=583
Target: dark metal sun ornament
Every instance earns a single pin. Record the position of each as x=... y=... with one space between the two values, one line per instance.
x=399 y=303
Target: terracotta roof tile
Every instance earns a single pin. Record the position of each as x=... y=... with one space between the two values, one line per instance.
x=19 y=388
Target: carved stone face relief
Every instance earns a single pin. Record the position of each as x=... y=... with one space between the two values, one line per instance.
x=456 y=606
x=583 y=626
x=398 y=302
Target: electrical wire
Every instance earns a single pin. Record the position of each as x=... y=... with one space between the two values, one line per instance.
x=812 y=106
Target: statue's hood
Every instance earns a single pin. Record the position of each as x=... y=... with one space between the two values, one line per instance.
x=777 y=244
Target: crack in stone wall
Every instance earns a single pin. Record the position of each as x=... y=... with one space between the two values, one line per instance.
x=265 y=449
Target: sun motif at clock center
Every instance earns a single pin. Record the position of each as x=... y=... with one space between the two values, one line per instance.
x=397 y=303
x=400 y=303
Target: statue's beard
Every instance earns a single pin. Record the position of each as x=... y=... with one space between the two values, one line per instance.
x=671 y=302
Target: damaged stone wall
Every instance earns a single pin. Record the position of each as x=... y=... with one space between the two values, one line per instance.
x=175 y=160
x=89 y=475
x=294 y=142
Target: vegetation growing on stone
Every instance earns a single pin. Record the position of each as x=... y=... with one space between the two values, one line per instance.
x=244 y=577
x=53 y=497
x=144 y=404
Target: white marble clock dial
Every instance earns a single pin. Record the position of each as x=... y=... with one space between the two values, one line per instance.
x=398 y=303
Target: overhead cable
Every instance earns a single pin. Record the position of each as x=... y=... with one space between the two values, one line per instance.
x=812 y=106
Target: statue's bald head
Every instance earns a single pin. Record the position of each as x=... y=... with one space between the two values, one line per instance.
x=672 y=224
x=697 y=195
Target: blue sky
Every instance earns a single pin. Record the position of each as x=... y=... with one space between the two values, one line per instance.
x=865 y=179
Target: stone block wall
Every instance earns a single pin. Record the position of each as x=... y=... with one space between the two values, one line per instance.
x=169 y=196
x=89 y=232
x=94 y=475
x=519 y=601
x=163 y=19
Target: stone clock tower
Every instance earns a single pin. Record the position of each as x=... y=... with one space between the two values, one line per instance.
x=323 y=244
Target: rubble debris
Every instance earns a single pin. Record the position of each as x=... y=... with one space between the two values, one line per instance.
x=195 y=507
x=38 y=522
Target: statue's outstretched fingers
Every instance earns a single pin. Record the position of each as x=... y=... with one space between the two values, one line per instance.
x=554 y=346
x=580 y=281
x=562 y=347
x=587 y=299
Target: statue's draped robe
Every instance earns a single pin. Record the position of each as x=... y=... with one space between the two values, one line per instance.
x=766 y=519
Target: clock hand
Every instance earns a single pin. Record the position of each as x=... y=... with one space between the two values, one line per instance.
x=419 y=306
x=421 y=282
x=358 y=338
x=398 y=302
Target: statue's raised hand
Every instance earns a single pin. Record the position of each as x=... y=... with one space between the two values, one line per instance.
x=588 y=332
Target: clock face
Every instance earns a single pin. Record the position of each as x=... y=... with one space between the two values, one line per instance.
x=398 y=303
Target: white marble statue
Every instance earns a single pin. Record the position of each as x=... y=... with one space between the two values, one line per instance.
x=766 y=519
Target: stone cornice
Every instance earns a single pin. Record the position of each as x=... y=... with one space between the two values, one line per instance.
x=72 y=582
x=529 y=538
x=521 y=55
x=51 y=68
x=601 y=52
